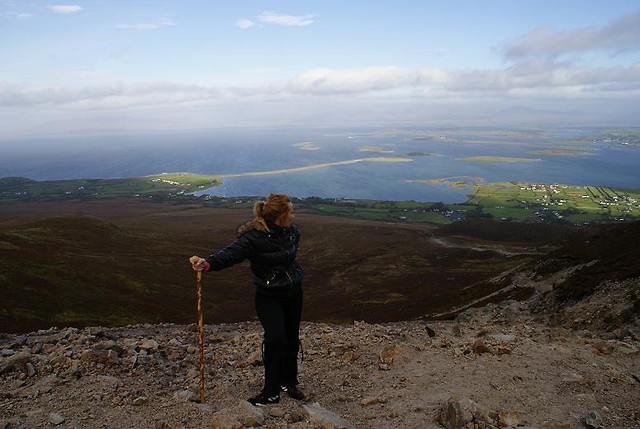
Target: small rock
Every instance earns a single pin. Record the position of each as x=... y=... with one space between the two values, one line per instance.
x=626 y=348
x=503 y=350
x=16 y=384
x=453 y=414
x=509 y=419
x=602 y=347
x=242 y=415
x=321 y=417
x=479 y=346
x=593 y=420
x=350 y=356
x=185 y=396
x=369 y=401
x=503 y=337
x=14 y=362
x=140 y=400
x=31 y=370
x=559 y=334
x=56 y=419
x=276 y=412
x=388 y=354
x=457 y=330
x=225 y=421
x=430 y=332
x=109 y=357
x=255 y=358
x=148 y=345
x=249 y=415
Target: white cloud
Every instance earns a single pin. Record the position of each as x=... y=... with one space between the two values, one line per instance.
x=117 y=95
x=560 y=82
x=64 y=8
x=24 y=16
x=348 y=81
x=620 y=35
x=244 y=23
x=285 y=20
x=162 y=22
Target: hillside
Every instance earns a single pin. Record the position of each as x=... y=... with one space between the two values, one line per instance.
x=538 y=326
x=117 y=262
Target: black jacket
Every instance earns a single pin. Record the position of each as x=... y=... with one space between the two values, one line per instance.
x=272 y=255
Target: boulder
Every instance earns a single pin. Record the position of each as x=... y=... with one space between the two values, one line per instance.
x=15 y=362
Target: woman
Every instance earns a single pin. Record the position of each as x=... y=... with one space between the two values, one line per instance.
x=270 y=243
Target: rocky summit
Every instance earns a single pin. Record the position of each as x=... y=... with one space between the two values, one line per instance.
x=499 y=366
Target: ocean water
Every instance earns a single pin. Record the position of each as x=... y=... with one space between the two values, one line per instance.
x=574 y=157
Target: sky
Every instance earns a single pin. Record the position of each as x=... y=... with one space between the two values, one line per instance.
x=109 y=66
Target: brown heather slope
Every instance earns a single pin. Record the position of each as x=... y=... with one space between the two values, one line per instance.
x=123 y=261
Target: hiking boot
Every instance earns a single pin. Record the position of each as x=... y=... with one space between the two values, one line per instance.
x=293 y=392
x=262 y=399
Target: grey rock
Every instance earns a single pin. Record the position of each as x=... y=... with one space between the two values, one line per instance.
x=220 y=420
x=109 y=357
x=56 y=419
x=140 y=400
x=249 y=415
x=148 y=345
x=325 y=419
x=454 y=414
x=14 y=362
x=185 y=396
x=593 y=420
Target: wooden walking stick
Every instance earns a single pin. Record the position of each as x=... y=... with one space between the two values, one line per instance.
x=200 y=334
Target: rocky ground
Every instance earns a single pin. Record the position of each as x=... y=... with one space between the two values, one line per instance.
x=498 y=366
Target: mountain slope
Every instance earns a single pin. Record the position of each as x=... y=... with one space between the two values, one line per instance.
x=118 y=263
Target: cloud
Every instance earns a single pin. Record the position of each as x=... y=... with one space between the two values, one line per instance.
x=285 y=20
x=244 y=23
x=111 y=96
x=162 y=22
x=561 y=82
x=620 y=35
x=24 y=16
x=370 y=79
x=64 y=8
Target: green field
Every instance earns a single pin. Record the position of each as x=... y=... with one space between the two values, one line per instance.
x=21 y=189
x=575 y=204
x=504 y=201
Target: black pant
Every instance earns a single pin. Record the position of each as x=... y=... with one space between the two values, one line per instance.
x=280 y=318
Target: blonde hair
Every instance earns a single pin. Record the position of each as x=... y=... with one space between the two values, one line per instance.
x=270 y=210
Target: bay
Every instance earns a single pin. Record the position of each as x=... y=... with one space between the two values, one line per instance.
x=408 y=163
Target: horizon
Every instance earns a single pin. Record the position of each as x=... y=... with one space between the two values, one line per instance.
x=178 y=66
